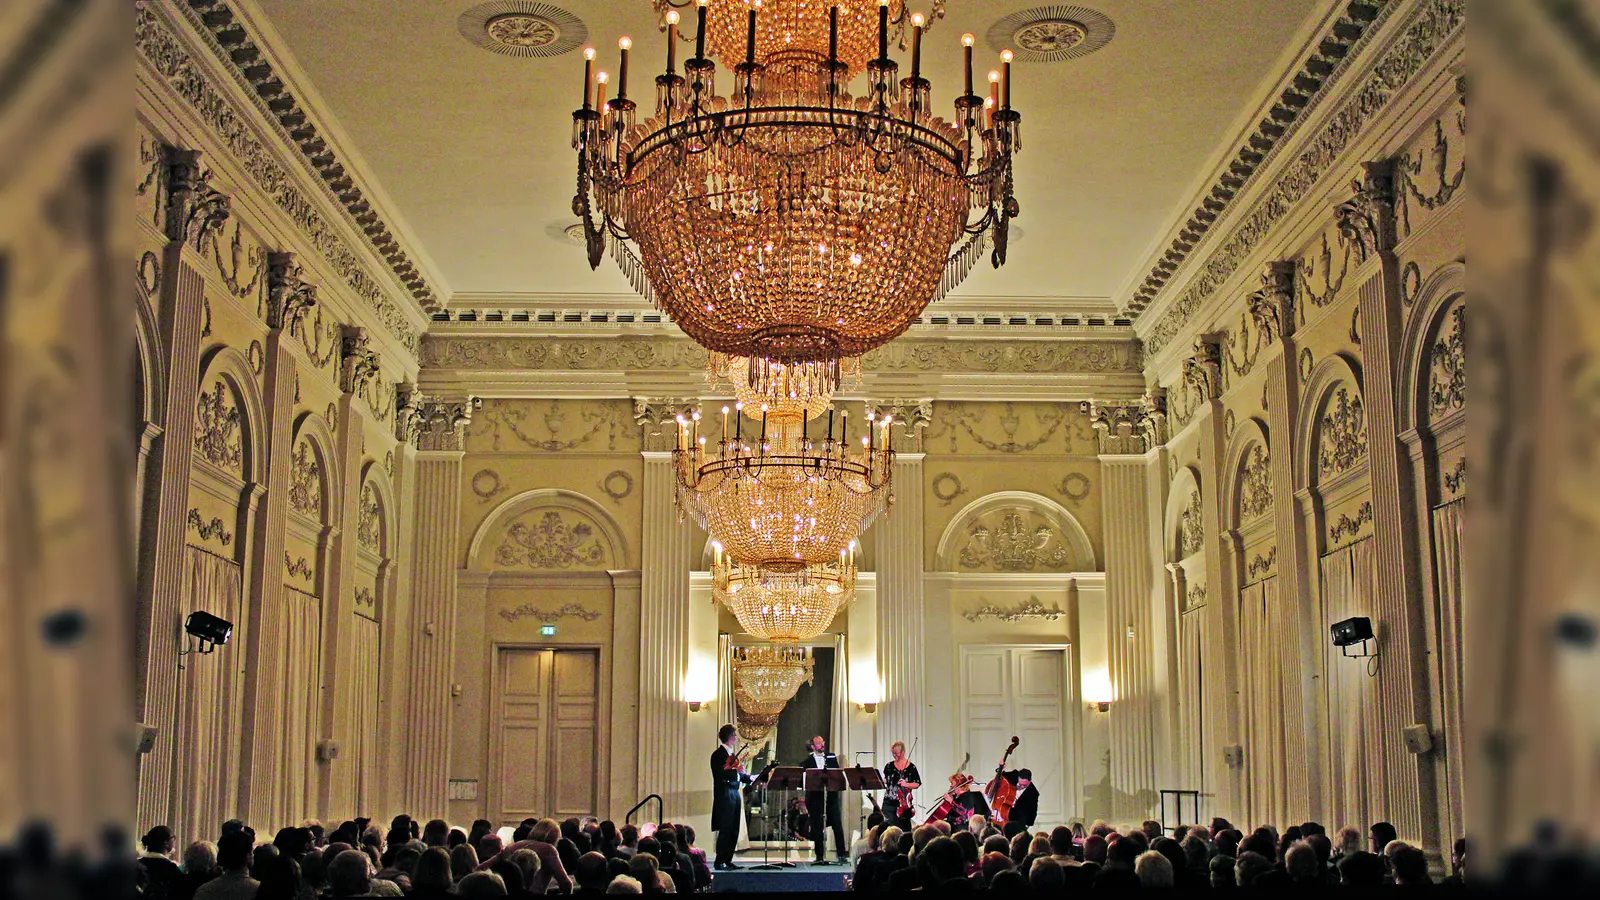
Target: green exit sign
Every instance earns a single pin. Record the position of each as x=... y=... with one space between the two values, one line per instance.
x=548 y=631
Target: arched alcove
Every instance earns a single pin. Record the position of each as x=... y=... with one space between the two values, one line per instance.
x=1332 y=413
x=1182 y=515
x=228 y=367
x=1015 y=531
x=554 y=539
x=1247 y=492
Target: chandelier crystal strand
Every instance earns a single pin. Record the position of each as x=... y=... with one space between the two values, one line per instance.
x=766 y=678
x=783 y=607
x=788 y=221
x=784 y=499
x=787 y=390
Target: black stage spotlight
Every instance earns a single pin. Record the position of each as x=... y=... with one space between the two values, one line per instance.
x=1351 y=632
x=211 y=631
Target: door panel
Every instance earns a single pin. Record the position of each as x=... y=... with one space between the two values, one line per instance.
x=1018 y=691
x=543 y=752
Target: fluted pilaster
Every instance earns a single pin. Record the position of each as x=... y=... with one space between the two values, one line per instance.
x=665 y=759
x=1135 y=716
x=433 y=615
x=902 y=651
x=336 y=778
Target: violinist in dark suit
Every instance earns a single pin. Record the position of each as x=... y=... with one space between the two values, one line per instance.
x=817 y=801
x=726 y=810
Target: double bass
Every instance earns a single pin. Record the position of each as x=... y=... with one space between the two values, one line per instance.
x=1000 y=793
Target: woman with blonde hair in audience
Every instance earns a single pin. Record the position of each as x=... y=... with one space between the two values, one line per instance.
x=1154 y=870
x=463 y=859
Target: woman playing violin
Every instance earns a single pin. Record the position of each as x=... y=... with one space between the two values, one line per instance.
x=900 y=778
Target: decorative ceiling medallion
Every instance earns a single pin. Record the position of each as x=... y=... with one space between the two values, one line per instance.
x=1052 y=33
x=518 y=28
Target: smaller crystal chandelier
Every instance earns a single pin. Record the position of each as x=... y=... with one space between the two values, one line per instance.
x=783 y=607
x=793 y=498
x=766 y=678
x=786 y=390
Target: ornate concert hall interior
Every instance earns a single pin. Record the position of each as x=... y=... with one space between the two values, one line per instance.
x=1090 y=374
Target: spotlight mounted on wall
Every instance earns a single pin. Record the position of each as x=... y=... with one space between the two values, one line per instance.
x=209 y=632
x=1350 y=632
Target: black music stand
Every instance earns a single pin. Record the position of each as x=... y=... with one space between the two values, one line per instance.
x=863 y=778
x=786 y=779
x=826 y=781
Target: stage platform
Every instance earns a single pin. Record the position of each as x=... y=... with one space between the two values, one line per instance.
x=805 y=877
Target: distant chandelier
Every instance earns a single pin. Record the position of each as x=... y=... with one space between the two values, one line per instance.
x=783 y=607
x=789 y=221
x=765 y=679
x=785 y=390
x=792 y=497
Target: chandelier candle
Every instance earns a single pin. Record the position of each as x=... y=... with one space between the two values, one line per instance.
x=966 y=52
x=672 y=42
x=623 y=44
x=588 y=74
x=700 y=36
x=1005 y=79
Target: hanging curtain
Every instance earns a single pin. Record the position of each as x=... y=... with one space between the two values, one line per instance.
x=298 y=631
x=1261 y=625
x=208 y=724
x=1191 y=676
x=366 y=753
x=726 y=709
x=1356 y=780
x=1449 y=524
x=839 y=719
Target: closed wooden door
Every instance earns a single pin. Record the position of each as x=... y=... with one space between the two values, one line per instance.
x=543 y=753
x=1018 y=691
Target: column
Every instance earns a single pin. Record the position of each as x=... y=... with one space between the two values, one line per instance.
x=433 y=609
x=1398 y=615
x=192 y=210
x=1295 y=576
x=665 y=760
x=1130 y=434
x=899 y=549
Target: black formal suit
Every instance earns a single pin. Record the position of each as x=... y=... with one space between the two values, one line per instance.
x=1026 y=809
x=725 y=806
x=816 y=802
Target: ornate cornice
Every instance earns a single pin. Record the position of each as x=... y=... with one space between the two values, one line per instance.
x=444 y=423
x=170 y=59
x=1431 y=28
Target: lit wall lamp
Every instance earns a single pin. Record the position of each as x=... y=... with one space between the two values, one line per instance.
x=697 y=705
x=1097 y=689
x=1100 y=705
x=867 y=707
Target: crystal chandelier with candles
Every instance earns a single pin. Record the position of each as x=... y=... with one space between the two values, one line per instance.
x=783 y=607
x=766 y=678
x=789 y=221
x=791 y=496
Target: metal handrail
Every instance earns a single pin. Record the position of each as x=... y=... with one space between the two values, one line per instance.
x=660 y=808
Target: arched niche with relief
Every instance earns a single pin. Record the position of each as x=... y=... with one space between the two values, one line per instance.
x=1015 y=531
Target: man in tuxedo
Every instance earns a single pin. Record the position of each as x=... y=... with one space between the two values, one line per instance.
x=1026 y=809
x=726 y=809
x=818 y=801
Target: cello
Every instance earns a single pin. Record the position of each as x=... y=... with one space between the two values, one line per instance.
x=1000 y=793
x=959 y=782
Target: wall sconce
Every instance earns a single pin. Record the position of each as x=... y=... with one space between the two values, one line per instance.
x=1100 y=705
x=696 y=705
x=868 y=708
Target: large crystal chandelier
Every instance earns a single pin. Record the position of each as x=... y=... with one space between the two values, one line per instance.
x=783 y=607
x=789 y=221
x=792 y=496
x=766 y=678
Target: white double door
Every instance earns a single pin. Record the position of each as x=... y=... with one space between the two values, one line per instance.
x=1021 y=691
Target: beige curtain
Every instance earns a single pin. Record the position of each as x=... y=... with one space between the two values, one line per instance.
x=1449 y=523
x=298 y=630
x=209 y=714
x=1262 y=641
x=1191 y=712
x=840 y=716
x=365 y=755
x=1356 y=781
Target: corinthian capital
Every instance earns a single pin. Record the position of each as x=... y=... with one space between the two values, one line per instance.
x=407 y=412
x=1366 y=221
x=913 y=417
x=289 y=296
x=1129 y=426
x=195 y=211
x=357 y=360
x=444 y=423
x=1202 y=372
x=1272 y=307
x=657 y=417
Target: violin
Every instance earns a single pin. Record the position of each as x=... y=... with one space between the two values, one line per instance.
x=1000 y=792
x=735 y=760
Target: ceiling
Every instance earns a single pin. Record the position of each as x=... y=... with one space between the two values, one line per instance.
x=472 y=147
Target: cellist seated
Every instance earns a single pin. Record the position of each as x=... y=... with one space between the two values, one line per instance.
x=969 y=802
x=1026 y=808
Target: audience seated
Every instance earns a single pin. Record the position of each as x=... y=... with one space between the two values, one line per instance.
x=233 y=859
x=1153 y=870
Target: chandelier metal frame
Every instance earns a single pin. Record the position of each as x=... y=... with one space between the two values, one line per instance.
x=807 y=109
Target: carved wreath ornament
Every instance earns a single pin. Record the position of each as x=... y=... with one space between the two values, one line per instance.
x=550 y=544
x=1012 y=546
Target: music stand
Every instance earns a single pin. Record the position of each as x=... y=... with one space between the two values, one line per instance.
x=785 y=779
x=863 y=778
x=824 y=781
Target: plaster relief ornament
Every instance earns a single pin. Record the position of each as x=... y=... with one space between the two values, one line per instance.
x=369 y=521
x=305 y=481
x=550 y=543
x=1191 y=530
x=216 y=435
x=1013 y=546
x=1342 y=433
x=1255 y=485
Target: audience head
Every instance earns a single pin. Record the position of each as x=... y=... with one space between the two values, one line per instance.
x=259 y=856
x=200 y=858
x=1038 y=845
x=1300 y=861
x=1320 y=845
x=1361 y=869
x=1458 y=857
x=1249 y=866
x=233 y=825
x=592 y=872
x=944 y=858
x=1094 y=849
x=1173 y=851
x=997 y=844
x=1348 y=840
x=1013 y=829
x=280 y=879
x=1061 y=840
x=1307 y=829
x=1009 y=883
x=157 y=840
x=1260 y=844
x=1219 y=825
x=463 y=859
x=993 y=863
x=1140 y=838
x=511 y=875
x=643 y=866
x=1046 y=877
x=293 y=842
x=521 y=833
x=1221 y=869
x=1151 y=829
x=489 y=846
x=943 y=827
x=347 y=874
x=1201 y=832
x=436 y=833
x=624 y=884
x=455 y=838
x=1382 y=833
x=1019 y=846
x=608 y=832
x=1195 y=852
x=1122 y=853
x=527 y=861
x=921 y=835
x=1409 y=863
x=547 y=831
x=482 y=884
x=977 y=824
x=630 y=835
x=1154 y=870
x=433 y=871
x=314 y=869
x=1227 y=842
x=968 y=845
x=889 y=839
